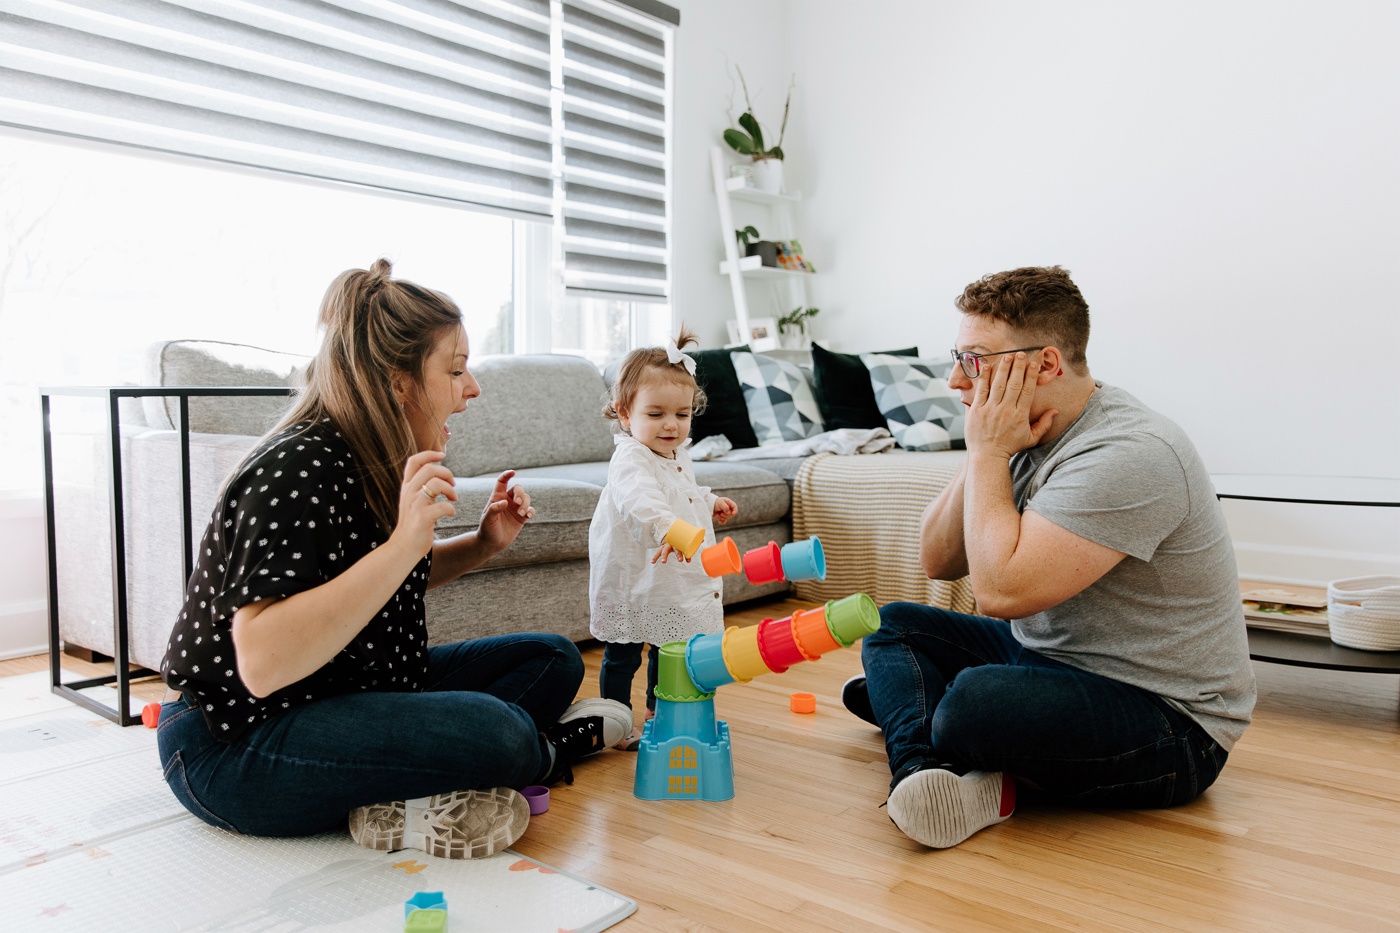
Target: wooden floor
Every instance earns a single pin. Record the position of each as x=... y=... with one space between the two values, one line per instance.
x=1301 y=832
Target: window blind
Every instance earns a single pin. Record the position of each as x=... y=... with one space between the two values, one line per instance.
x=451 y=100
x=616 y=67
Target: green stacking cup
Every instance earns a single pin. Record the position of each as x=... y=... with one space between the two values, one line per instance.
x=852 y=618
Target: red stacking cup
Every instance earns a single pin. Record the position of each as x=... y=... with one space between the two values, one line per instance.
x=776 y=645
x=764 y=564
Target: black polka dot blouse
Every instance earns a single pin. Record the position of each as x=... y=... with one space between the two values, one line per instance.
x=293 y=517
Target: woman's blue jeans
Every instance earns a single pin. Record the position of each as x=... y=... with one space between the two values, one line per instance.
x=960 y=691
x=476 y=725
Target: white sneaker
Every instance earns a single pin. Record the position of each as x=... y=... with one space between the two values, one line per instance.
x=614 y=717
x=457 y=825
x=940 y=808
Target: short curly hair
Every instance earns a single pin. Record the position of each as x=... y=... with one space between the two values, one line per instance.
x=1041 y=302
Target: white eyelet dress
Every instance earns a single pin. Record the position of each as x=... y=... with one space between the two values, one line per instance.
x=630 y=598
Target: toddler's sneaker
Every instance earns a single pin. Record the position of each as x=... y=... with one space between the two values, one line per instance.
x=587 y=727
x=941 y=808
x=459 y=824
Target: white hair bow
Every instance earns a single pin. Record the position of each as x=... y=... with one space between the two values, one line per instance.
x=674 y=354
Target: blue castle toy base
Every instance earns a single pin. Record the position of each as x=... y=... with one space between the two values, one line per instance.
x=684 y=754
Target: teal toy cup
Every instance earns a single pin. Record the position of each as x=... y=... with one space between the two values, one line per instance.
x=804 y=560
x=704 y=662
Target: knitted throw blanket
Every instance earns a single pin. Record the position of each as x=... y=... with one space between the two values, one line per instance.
x=866 y=511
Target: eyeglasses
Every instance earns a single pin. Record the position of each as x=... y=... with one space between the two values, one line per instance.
x=971 y=363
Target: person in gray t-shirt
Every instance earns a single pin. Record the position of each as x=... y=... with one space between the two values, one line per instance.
x=1087 y=520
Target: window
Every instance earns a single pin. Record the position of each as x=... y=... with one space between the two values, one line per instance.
x=109 y=250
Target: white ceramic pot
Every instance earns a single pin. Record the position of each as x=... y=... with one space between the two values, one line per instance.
x=768 y=175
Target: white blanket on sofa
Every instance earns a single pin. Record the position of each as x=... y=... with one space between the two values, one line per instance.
x=844 y=441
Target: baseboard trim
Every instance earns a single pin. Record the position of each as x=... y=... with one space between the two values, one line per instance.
x=24 y=629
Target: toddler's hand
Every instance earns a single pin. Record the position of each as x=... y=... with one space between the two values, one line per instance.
x=665 y=551
x=725 y=509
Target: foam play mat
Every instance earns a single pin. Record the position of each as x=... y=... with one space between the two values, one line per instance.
x=91 y=839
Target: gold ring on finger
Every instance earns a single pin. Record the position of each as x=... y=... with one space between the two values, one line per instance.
x=424 y=490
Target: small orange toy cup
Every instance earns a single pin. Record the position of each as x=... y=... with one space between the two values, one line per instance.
x=803 y=703
x=721 y=559
x=764 y=564
x=811 y=633
x=685 y=537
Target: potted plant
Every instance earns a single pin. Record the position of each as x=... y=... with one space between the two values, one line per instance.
x=765 y=250
x=749 y=140
x=793 y=327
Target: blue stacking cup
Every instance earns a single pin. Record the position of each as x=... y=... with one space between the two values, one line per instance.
x=704 y=662
x=804 y=560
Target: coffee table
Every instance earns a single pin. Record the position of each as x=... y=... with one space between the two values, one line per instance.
x=1307 y=650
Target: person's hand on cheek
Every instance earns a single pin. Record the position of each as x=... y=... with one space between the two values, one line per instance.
x=999 y=419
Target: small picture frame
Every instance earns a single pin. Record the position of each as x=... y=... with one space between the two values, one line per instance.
x=735 y=338
x=763 y=333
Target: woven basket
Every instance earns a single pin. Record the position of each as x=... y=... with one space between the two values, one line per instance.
x=1364 y=612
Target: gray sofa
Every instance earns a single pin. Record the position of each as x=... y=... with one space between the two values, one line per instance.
x=540 y=415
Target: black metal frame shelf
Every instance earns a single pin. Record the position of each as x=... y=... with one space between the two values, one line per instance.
x=123 y=675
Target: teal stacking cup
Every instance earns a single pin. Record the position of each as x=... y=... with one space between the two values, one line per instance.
x=804 y=560
x=704 y=662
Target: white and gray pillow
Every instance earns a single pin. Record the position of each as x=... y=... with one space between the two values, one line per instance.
x=921 y=411
x=779 y=398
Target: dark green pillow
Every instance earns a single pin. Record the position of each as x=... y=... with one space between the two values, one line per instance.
x=841 y=384
x=726 y=412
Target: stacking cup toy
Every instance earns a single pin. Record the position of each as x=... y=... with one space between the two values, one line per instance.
x=852 y=618
x=537 y=796
x=741 y=654
x=764 y=564
x=704 y=662
x=811 y=634
x=776 y=644
x=804 y=560
x=685 y=537
x=721 y=559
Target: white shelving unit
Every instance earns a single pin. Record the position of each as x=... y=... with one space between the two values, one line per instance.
x=772 y=215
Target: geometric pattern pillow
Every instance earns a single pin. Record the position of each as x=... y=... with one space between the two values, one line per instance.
x=922 y=412
x=779 y=398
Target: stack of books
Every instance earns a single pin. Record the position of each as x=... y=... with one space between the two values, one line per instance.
x=1282 y=609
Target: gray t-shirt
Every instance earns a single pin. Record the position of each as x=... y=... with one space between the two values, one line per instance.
x=1168 y=617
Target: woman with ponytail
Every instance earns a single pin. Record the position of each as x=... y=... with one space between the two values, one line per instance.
x=308 y=690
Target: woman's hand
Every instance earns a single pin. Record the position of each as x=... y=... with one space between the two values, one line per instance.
x=506 y=513
x=725 y=509
x=424 y=480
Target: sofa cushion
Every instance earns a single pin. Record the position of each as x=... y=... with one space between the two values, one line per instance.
x=920 y=409
x=841 y=384
x=215 y=363
x=726 y=412
x=762 y=495
x=779 y=399
x=534 y=410
x=559 y=530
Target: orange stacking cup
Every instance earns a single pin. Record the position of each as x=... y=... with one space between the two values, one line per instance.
x=741 y=654
x=721 y=559
x=764 y=564
x=776 y=644
x=811 y=633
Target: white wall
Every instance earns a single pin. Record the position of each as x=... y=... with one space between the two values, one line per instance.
x=1220 y=179
x=713 y=35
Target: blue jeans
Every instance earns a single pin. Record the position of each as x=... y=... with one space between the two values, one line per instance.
x=620 y=662
x=960 y=691
x=476 y=725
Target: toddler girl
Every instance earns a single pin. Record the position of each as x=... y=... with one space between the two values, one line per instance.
x=636 y=593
